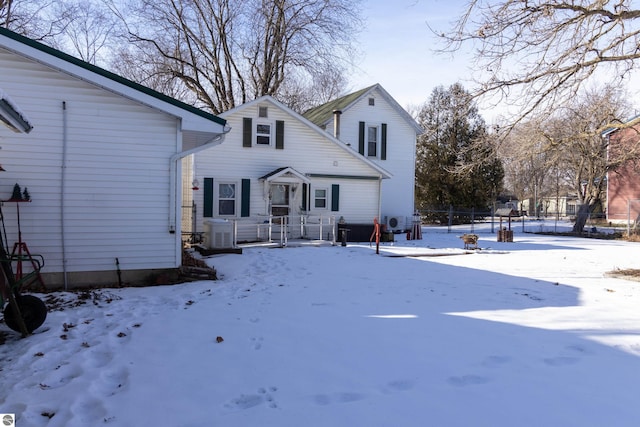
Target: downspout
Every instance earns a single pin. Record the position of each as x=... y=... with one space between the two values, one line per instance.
x=380 y=199
x=173 y=175
x=63 y=178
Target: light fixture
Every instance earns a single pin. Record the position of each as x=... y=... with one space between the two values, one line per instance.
x=195 y=184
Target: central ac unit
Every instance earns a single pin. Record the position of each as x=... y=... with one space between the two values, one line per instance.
x=396 y=223
x=218 y=234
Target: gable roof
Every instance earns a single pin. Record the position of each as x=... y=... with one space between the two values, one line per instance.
x=312 y=127
x=323 y=114
x=284 y=171
x=195 y=118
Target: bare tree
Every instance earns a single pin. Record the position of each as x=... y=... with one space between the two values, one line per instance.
x=569 y=146
x=544 y=51
x=229 y=51
x=40 y=20
x=301 y=93
x=527 y=161
x=88 y=32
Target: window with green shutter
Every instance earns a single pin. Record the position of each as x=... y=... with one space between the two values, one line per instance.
x=245 y=208
x=383 y=142
x=305 y=196
x=247 y=131
x=208 y=198
x=279 y=135
x=335 y=197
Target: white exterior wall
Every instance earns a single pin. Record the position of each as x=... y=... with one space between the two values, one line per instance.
x=305 y=150
x=397 y=192
x=116 y=196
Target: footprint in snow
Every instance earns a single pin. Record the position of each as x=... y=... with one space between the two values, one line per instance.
x=495 y=361
x=247 y=401
x=257 y=343
x=343 y=397
x=560 y=361
x=400 y=385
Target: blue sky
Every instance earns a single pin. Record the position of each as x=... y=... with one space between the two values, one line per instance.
x=398 y=49
x=398 y=52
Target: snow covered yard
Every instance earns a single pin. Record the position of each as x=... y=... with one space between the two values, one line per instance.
x=529 y=333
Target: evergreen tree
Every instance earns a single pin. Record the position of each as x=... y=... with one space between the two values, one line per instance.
x=17 y=192
x=456 y=163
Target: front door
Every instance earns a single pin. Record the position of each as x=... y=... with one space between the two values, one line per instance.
x=279 y=200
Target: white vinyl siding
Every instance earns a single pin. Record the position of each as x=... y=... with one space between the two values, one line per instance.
x=307 y=151
x=117 y=182
x=398 y=191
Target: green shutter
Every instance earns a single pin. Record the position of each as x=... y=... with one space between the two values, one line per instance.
x=279 y=134
x=361 y=138
x=335 y=197
x=305 y=191
x=383 y=148
x=208 y=197
x=246 y=194
x=247 y=129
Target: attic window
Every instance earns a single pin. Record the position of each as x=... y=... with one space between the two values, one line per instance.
x=262 y=112
x=372 y=101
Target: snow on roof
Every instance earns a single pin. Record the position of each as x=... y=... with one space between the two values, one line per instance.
x=11 y=115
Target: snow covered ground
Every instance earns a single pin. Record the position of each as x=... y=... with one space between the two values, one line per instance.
x=529 y=333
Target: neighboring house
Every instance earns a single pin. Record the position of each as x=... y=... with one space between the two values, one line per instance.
x=623 y=182
x=101 y=164
x=374 y=125
x=562 y=205
x=277 y=164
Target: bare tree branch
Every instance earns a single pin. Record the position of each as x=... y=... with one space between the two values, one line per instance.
x=544 y=51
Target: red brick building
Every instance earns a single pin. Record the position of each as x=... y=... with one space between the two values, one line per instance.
x=623 y=180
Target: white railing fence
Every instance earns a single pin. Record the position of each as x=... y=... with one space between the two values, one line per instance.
x=230 y=233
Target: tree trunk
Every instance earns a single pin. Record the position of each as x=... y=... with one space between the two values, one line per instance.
x=581 y=219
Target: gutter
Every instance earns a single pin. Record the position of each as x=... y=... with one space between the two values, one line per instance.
x=173 y=173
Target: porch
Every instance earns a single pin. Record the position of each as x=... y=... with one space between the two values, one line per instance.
x=263 y=230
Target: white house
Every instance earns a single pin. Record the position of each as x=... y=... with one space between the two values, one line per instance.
x=373 y=124
x=102 y=165
x=276 y=164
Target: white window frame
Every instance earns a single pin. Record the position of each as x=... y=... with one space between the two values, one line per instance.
x=325 y=198
x=218 y=199
x=270 y=135
x=377 y=141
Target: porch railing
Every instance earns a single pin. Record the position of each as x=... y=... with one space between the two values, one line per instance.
x=277 y=230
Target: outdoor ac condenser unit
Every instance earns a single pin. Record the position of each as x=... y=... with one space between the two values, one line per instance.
x=396 y=223
x=218 y=234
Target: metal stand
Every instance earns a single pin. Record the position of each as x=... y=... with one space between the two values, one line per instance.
x=21 y=253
